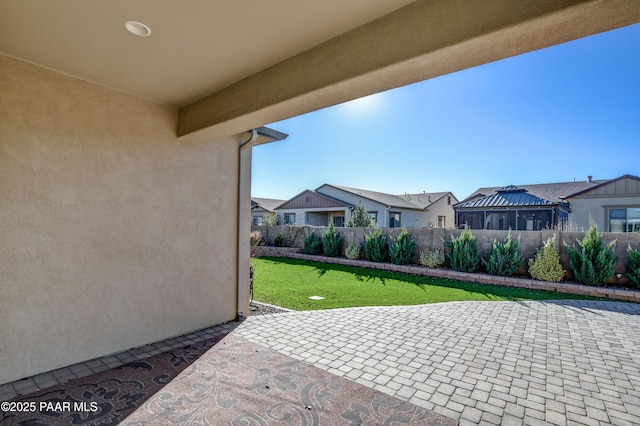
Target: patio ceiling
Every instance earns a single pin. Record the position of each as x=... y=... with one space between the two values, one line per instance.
x=229 y=66
x=196 y=47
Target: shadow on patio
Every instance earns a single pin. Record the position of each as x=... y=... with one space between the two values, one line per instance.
x=223 y=380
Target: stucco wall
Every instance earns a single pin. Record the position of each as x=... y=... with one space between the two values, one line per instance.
x=411 y=218
x=442 y=208
x=113 y=233
x=584 y=208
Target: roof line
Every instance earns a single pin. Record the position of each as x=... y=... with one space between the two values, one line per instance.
x=371 y=199
x=607 y=182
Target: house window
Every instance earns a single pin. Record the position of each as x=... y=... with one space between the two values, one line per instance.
x=289 y=218
x=257 y=220
x=374 y=217
x=394 y=220
x=442 y=221
x=449 y=200
x=624 y=220
x=338 y=221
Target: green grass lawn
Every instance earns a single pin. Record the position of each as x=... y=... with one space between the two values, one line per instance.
x=290 y=282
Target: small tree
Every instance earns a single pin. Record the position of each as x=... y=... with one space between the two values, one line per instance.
x=270 y=220
x=504 y=259
x=591 y=263
x=402 y=248
x=312 y=244
x=545 y=266
x=332 y=242
x=375 y=246
x=463 y=253
x=633 y=266
x=360 y=217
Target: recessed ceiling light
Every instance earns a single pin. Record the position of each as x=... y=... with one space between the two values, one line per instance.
x=137 y=28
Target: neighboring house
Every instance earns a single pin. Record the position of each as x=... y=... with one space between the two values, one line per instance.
x=262 y=208
x=614 y=205
x=313 y=208
x=333 y=204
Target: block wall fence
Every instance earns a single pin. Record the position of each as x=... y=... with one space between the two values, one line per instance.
x=427 y=239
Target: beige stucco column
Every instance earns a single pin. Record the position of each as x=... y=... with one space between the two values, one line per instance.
x=255 y=137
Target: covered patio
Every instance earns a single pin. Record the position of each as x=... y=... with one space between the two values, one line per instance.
x=126 y=131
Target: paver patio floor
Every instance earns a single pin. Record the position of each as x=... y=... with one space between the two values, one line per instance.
x=564 y=362
x=504 y=363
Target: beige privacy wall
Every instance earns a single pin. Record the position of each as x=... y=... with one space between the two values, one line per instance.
x=113 y=233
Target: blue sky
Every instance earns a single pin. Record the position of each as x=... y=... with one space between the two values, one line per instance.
x=553 y=115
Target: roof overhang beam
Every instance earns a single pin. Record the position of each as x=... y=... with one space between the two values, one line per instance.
x=425 y=39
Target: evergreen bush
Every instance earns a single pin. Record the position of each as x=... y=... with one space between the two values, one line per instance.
x=278 y=241
x=633 y=266
x=312 y=244
x=433 y=258
x=353 y=250
x=463 y=253
x=402 y=248
x=504 y=259
x=332 y=242
x=375 y=246
x=545 y=266
x=591 y=262
x=360 y=217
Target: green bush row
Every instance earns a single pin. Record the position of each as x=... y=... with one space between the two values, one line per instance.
x=590 y=260
x=330 y=243
x=399 y=251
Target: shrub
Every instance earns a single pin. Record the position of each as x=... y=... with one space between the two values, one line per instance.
x=278 y=241
x=504 y=259
x=402 y=248
x=545 y=266
x=360 y=217
x=591 y=263
x=312 y=244
x=463 y=253
x=633 y=266
x=375 y=246
x=332 y=242
x=353 y=250
x=432 y=258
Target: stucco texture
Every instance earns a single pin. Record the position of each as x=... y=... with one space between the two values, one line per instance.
x=113 y=233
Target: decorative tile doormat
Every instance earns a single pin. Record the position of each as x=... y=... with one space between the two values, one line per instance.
x=235 y=382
